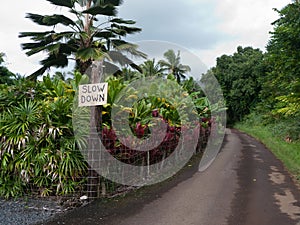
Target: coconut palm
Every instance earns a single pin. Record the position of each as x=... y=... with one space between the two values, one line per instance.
x=95 y=32
x=150 y=68
x=173 y=66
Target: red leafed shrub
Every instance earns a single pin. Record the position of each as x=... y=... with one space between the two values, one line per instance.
x=169 y=143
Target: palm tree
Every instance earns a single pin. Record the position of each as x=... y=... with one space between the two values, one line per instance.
x=95 y=33
x=150 y=68
x=173 y=66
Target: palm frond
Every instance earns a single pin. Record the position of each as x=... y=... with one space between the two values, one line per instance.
x=56 y=60
x=123 y=30
x=50 y=20
x=108 y=2
x=92 y=53
x=37 y=73
x=125 y=46
x=110 y=68
x=117 y=56
x=66 y=3
x=106 y=10
x=37 y=35
x=122 y=21
x=104 y=34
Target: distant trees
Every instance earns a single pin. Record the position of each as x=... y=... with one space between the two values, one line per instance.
x=170 y=67
x=6 y=76
x=239 y=76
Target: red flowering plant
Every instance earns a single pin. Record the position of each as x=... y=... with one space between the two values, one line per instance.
x=152 y=115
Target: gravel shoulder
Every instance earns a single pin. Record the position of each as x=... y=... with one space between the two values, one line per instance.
x=27 y=211
x=34 y=211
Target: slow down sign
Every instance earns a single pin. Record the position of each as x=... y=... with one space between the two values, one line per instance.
x=92 y=94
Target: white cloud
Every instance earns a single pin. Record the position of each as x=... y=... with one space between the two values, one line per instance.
x=12 y=25
x=249 y=23
x=248 y=19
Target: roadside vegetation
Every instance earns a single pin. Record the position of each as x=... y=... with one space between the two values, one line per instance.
x=39 y=152
x=272 y=136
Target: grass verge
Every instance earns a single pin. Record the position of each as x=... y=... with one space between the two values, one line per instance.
x=288 y=153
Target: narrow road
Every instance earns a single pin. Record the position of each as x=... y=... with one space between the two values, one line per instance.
x=245 y=185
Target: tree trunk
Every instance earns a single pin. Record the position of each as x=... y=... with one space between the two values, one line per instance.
x=95 y=128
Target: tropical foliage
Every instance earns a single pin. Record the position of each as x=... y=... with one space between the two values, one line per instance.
x=172 y=65
x=141 y=116
x=37 y=147
x=39 y=152
x=283 y=81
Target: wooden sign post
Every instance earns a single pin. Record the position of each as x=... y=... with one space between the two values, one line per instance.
x=94 y=95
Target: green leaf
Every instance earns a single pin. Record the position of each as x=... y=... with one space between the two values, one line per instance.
x=117 y=56
x=66 y=3
x=56 y=19
x=50 y=20
x=119 y=20
x=35 y=18
x=86 y=54
x=107 y=10
x=35 y=34
x=108 y=2
x=57 y=60
x=55 y=48
x=37 y=73
x=123 y=30
x=105 y=34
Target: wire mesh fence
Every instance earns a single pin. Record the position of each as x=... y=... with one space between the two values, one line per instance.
x=148 y=162
x=40 y=153
x=86 y=182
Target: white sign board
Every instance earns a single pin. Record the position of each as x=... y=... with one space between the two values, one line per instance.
x=92 y=94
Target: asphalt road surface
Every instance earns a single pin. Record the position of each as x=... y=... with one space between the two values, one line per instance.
x=245 y=185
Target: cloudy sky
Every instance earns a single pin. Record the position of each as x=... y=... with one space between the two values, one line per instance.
x=207 y=28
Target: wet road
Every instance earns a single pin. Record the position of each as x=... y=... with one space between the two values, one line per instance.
x=245 y=185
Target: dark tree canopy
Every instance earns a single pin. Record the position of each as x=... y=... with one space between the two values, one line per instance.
x=239 y=75
x=6 y=76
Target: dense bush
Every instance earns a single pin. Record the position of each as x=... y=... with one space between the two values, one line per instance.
x=37 y=147
x=141 y=121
